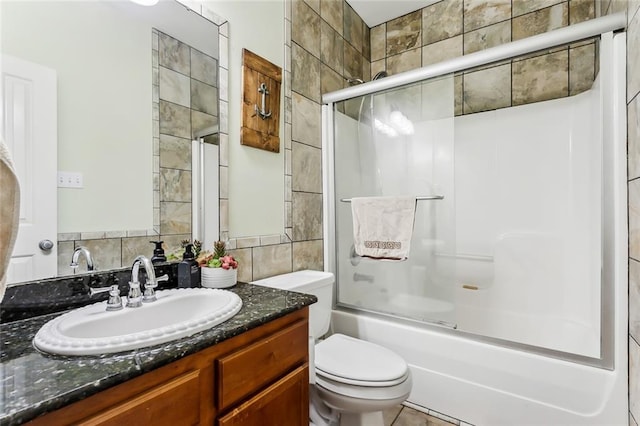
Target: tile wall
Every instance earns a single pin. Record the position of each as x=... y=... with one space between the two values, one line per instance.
x=452 y=28
x=633 y=173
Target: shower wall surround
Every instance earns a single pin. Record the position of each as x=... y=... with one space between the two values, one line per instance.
x=452 y=28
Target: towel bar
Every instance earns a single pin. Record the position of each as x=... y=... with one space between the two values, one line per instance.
x=425 y=197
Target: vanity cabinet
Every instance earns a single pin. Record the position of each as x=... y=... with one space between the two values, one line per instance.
x=260 y=377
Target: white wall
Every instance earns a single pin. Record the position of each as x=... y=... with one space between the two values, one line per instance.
x=111 y=146
x=256 y=177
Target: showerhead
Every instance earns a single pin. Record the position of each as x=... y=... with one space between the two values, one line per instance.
x=380 y=74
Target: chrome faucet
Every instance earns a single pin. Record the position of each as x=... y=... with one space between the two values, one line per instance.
x=76 y=256
x=136 y=297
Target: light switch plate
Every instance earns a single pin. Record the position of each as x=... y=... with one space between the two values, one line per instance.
x=70 y=180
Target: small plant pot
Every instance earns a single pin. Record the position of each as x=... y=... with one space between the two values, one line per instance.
x=218 y=277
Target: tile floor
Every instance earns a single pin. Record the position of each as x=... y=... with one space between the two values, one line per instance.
x=405 y=416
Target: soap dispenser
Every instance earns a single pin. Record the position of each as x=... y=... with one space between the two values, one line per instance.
x=188 y=269
x=158 y=252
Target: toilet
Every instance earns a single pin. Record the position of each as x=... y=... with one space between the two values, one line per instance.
x=352 y=381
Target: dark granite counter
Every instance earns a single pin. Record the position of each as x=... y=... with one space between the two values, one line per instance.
x=34 y=383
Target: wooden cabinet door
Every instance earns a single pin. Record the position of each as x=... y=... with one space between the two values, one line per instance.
x=286 y=402
x=174 y=403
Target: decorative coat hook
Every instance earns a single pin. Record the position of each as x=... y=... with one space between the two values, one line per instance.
x=262 y=111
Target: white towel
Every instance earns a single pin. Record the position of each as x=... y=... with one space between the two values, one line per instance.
x=9 y=212
x=383 y=226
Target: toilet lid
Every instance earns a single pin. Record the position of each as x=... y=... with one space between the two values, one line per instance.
x=350 y=360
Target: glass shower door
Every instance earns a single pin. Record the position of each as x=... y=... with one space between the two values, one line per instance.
x=394 y=143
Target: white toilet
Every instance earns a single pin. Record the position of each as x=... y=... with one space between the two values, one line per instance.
x=355 y=378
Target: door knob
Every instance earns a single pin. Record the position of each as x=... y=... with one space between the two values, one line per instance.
x=45 y=245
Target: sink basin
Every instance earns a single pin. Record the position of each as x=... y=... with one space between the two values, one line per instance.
x=91 y=330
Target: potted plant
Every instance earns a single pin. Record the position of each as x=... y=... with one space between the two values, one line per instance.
x=217 y=269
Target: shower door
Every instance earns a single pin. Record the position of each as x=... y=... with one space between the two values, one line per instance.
x=393 y=143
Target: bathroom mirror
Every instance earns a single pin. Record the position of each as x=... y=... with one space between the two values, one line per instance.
x=135 y=174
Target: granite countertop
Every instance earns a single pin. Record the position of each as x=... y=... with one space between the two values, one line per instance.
x=34 y=383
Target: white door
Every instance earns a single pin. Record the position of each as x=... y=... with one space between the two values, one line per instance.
x=29 y=127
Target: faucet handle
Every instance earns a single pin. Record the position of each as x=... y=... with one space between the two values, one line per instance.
x=115 y=301
x=149 y=286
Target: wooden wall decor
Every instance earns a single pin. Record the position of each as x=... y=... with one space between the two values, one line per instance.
x=261 y=82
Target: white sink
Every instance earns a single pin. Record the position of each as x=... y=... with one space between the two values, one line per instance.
x=91 y=330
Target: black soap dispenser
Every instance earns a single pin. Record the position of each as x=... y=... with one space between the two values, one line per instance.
x=158 y=252
x=188 y=269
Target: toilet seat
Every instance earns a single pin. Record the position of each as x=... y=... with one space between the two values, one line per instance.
x=356 y=362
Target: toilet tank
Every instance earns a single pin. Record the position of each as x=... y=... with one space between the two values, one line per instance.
x=318 y=283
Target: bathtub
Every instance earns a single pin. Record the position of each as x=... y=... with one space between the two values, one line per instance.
x=486 y=384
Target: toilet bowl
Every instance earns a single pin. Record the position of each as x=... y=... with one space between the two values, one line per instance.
x=355 y=379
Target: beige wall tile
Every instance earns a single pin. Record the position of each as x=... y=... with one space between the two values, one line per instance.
x=314 y=4
x=404 y=61
x=204 y=97
x=582 y=65
x=632 y=11
x=633 y=136
x=378 y=66
x=306 y=121
x=271 y=260
x=172 y=243
x=404 y=33
x=106 y=253
x=634 y=378
x=332 y=53
x=135 y=246
x=480 y=13
x=175 y=218
x=485 y=37
x=441 y=20
x=366 y=42
x=634 y=219
x=541 y=21
x=634 y=299
x=541 y=78
x=332 y=12
x=330 y=80
x=306 y=168
x=245 y=264
x=175 y=185
x=175 y=152
x=174 y=54
x=378 y=42
x=204 y=68
x=305 y=29
x=65 y=252
x=307 y=216
x=487 y=89
x=352 y=62
x=305 y=73
x=201 y=121
x=308 y=255
x=175 y=120
x=442 y=50
x=352 y=30
x=581 y=10
x=520 y=7
x=174 y=87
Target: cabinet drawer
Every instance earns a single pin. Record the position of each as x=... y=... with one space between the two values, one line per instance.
x=176 y=402
x=258 y=365
x=286 y=402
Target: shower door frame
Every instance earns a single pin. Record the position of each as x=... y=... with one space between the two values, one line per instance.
x=614 y=220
